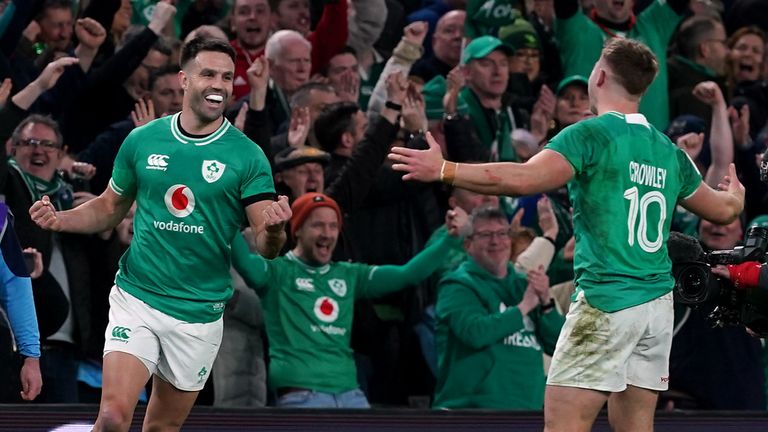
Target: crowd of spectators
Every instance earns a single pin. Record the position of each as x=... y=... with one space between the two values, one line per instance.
x=325 y=88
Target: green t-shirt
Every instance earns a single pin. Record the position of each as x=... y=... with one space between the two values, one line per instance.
x=628 y=178
x=190 y=195
x=581 y=42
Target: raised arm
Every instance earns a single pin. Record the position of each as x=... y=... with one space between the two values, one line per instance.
x=718 y=206
x=720 y=137
x=389 y=278
x=97 y=215
x=545 y=171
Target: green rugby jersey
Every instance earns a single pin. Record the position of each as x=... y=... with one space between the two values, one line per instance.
x=628 y=178
x=190 y=193
x=308 y=310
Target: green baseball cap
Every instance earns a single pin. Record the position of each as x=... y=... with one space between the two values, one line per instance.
x=482 y=46
x=573 y=79
x=520 y=34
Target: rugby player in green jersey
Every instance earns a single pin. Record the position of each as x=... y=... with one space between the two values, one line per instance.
x=195 y=178
x=625 y=179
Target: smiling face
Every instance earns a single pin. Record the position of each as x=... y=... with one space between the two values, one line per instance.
x=746 y=57
x=317 y=236
x=207 y=83
x=37 y=151
x=490 y=244
x=251 y=23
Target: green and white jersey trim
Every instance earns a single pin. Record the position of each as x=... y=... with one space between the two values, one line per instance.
x=197 y=141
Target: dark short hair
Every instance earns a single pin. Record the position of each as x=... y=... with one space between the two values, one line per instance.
x=170 y=69
x=300 y=97
x=346 y=50
x=486 y=213
x=41 y=120
x=693 y=32
x=632 y=63
x=53 y=4
x=191 y=49
x=331 y=124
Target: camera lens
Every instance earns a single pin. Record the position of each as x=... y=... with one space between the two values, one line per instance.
x=692 y=284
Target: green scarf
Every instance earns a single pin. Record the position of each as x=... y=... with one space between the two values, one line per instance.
x=499 y=141
x=59 y=191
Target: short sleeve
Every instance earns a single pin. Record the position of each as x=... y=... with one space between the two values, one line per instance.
x=258 y=177
x=576 y=144
x=690 y=179
x=123 y=180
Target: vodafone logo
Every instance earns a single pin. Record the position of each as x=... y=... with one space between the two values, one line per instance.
x=179 y=200
x=326 y=309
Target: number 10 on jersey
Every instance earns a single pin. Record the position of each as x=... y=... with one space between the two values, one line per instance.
x=639 y=231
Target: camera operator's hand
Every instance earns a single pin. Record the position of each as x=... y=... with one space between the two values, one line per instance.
x=745 y=275
x=722 y=271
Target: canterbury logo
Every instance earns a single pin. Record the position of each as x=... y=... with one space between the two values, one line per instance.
x=120 y=332
x=157 y=162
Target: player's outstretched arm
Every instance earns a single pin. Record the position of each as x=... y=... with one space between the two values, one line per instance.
x=719 y=206
x=545 y=171
x=267 y=220
x=97 y=215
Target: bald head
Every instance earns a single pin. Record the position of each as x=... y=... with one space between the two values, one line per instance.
x=446 y=42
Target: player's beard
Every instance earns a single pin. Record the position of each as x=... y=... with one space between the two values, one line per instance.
x=204 y=114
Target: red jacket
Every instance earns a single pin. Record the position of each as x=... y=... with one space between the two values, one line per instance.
x=242 y=63
x=330 y=35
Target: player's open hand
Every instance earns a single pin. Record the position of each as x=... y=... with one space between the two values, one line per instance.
x=422 y=165
x=44 y=214
x=277 y=214
x=732 y=185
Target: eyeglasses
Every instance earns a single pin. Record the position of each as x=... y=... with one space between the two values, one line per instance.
x=487 y=235
x=47 y=145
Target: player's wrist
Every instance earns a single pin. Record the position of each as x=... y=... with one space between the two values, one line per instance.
x=448 y=172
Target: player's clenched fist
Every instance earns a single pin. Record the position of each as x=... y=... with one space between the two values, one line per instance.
x=44 y=214
x=277 y=214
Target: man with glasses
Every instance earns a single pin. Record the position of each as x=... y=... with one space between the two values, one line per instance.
x=493 y=325
x=701 y=56
x=62 y=291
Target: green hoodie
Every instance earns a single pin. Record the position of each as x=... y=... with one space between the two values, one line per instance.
x=489 y=355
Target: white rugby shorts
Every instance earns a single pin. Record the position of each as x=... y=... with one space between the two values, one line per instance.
x=607 y=351
x=179 y=352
